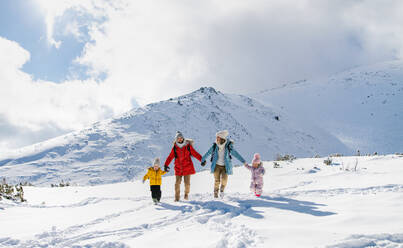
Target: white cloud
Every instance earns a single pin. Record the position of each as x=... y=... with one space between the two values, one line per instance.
x=12 y=55
x=151 y=50
x=52 y=10
x=156 y=49
x=35 y=109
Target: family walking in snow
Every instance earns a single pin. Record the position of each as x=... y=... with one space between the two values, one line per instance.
x=221 y=151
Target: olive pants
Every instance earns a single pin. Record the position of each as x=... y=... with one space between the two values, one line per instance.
x=178 y=186
x=220 y=177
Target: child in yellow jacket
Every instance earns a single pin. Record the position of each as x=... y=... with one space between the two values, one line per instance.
x=154 y=173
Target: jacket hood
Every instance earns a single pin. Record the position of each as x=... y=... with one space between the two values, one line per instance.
x=187 y=141
x=226 y=142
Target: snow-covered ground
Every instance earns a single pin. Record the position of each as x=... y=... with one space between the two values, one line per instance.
x=355 y=202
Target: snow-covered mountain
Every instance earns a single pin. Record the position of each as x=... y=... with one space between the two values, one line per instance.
x=362 y=107
x=120 y=149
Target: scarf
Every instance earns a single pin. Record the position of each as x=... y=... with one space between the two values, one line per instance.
x=221 y=146
x=181 y=145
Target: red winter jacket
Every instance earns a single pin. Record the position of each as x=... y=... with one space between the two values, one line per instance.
x=183 y=161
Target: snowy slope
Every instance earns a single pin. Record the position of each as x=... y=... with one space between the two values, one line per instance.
x=304 y=204
x=119 y=149
x=363 y=107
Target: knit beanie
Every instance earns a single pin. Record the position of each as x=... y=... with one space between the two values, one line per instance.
x=256 y=158
x=178 y=135
x=157 y=161
x=222 y=134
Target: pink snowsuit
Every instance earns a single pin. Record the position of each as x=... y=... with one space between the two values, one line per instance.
x=256 y=185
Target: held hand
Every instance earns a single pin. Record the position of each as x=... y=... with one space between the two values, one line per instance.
x=203 y=163
x=166 y=168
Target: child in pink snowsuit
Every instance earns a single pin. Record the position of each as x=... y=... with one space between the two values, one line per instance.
x=257 y=170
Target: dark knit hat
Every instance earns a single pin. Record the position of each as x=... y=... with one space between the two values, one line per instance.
x=178 y=135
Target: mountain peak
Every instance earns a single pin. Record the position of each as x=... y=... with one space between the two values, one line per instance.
x=202 y=93
x=206 y=90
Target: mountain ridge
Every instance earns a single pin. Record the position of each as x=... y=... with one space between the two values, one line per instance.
x=360 y=106
x=119 y=149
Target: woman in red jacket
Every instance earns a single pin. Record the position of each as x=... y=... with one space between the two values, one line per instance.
x=182 y=152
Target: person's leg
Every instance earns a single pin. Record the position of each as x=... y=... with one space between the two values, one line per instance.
x=178 y=187
x=259 y=189
x=224 y=179
x=158 y=192
x=187 y=186
x=153 y=189
x=216 y=180
x=252 y=187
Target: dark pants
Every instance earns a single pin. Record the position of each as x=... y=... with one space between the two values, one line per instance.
x=156 y=192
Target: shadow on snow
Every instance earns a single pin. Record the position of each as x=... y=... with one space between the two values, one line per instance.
x=245 y=207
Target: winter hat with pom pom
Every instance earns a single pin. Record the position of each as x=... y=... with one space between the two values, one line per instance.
x=256 y=158
x=178 y=135
x=157 y=161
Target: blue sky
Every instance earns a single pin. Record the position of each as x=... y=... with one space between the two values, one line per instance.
x=65 y=64
x=23 y=22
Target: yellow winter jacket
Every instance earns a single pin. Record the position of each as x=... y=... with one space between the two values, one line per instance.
x=154 y=176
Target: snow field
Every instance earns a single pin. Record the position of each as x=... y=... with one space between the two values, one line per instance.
x=302 y=206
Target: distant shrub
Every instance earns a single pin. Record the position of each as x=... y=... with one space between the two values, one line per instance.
x=336 y=155
x=286 y=157
x=26 y=184
x=327 y=161
x=61 y=184
x=276 y=165
x=11 y=192
x=317 y=156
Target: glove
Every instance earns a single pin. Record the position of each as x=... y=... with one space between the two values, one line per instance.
x=166 y=168
x=144 y=181
x=203 y=163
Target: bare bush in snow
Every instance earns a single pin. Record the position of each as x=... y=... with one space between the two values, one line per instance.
x=327 y=161
x=286 y=157
x=11 y=192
